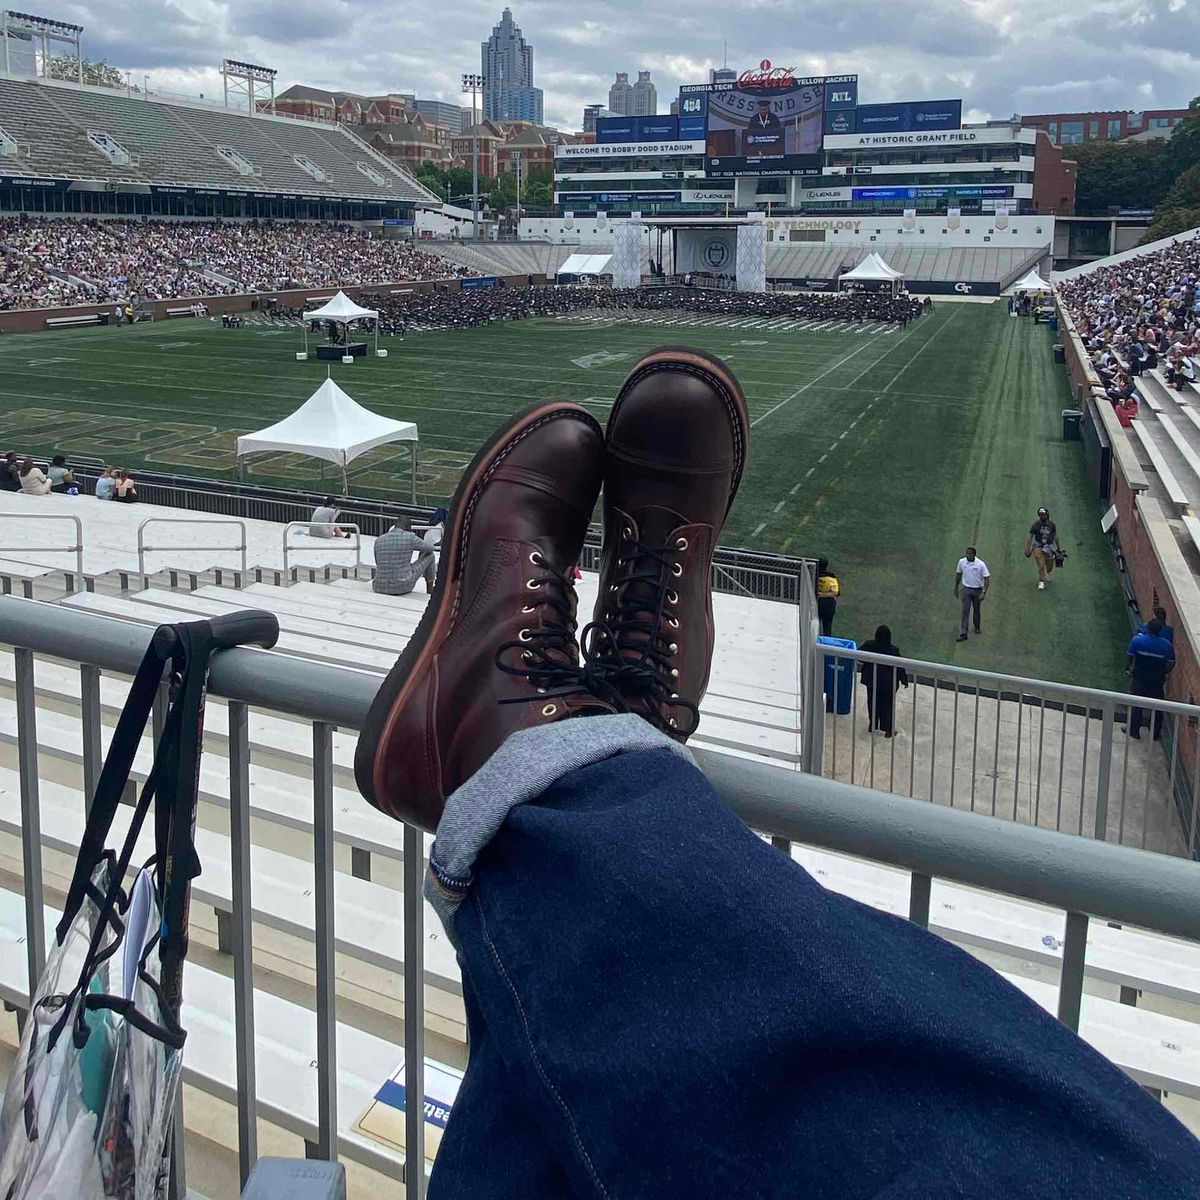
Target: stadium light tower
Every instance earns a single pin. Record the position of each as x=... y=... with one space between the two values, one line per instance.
x=248 y=79
x=28 y=30
x=474 y=84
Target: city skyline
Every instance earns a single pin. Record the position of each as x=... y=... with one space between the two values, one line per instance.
x=1017 y=58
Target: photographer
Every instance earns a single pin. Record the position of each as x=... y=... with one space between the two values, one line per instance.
x=1042 y=544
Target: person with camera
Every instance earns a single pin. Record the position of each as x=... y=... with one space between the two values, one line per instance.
x=1042 y=544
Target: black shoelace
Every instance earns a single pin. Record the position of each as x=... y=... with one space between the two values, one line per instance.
x=634 y=649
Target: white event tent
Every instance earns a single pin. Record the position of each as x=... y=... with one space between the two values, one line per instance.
x=331 y=426
x=1031 y=282
x=873 y=269
x=341 y=310
x=585 y=264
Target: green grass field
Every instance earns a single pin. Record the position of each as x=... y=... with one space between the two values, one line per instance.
x=886 y=452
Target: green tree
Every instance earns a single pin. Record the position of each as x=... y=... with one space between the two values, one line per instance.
x=1119 y=175
x=99 y=74
x=1181 y=209
x=503 y=192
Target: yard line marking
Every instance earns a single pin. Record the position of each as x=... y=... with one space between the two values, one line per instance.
x=759 y=530
x=780 y=505
x=815 y=379
x=822 y=458
x=809 y=472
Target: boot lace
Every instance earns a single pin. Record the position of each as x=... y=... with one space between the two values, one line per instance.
x=546 y=654
x=633 y=651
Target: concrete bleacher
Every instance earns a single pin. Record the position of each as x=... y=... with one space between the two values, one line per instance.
x=751 y=710
x=177 y=142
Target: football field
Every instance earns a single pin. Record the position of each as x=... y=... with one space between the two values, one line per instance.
x=888 y=451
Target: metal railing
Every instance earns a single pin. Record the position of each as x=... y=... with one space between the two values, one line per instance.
x=1047 y=754
x=1082 y=877
x=334 y=542
x=143 y=549
x=77 y=549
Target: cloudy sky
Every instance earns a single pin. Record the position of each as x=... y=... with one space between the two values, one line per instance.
x=1001 y=56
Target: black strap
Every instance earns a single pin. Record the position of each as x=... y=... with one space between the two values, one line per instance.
x=172 y=785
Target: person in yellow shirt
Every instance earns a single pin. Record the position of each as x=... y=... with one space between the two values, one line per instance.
x=828 y=590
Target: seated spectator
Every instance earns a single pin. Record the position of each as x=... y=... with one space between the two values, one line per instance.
x=124 y=490
x=1180 y=371
x=33 y=482
x=10 y=479
x=106 y=485
x=60 y=475
x=1126 y=411
x=324 y=521
x=396 y=573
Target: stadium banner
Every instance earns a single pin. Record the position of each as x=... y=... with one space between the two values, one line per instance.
x=619 y=197
x=710 y=250
x=841 y=120
x=693 y=116
x=947 y=287
x=709 y=196
x=968 y=192
x=483 y=283
x=827 y=195
x=637 y=129
x=1001 y=135
x=908 y=116
x=629 y=149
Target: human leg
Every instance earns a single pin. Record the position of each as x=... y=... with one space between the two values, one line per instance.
x=976 y=605
x=426 y=568
x=966 y=596
x=1039 y=558
x=728 y=1028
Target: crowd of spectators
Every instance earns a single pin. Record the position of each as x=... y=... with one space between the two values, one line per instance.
x=1138 y=315
x=48 y=262
x=459 y=309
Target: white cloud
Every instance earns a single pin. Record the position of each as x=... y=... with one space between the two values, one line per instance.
x=999 y=55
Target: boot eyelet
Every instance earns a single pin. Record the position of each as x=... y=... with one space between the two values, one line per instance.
x=526 y=656
x=674 y=695
x=677 y=570
x=541 y=691
x=536 y=559
x=612 y=587
x=672 y=597
x=549 y=710
x=628 y=533
x=681 y=543
x=673 y=724
x=674 y=624
x=674 y=672
x=673 y=647
x=533 y=585
x=526 y=635
x=529 y=608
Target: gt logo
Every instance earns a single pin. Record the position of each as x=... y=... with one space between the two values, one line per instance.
x=964 y=288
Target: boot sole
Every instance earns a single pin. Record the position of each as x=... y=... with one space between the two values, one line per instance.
x=708 y=364
x=414 y=662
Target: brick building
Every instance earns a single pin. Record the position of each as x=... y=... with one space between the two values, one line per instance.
x=490 y=136
x=1054 y=178
x=1067 y=129
x=347 y=108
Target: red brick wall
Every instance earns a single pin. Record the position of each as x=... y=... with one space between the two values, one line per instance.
x=1053 y=179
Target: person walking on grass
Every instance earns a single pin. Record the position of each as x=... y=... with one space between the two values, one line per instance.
x=1042 y=544
x=828 y=590
x=881 y=682
x=971 y=582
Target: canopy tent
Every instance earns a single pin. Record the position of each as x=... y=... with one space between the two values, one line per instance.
x=331 y=426
x=1032 y=282
x=872 y=269
x=341 y=310
x=585 y=264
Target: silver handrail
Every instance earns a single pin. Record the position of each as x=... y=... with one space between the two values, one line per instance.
x=333 y=541
x=1077 y=875
x=143 y=549
x=76 y=549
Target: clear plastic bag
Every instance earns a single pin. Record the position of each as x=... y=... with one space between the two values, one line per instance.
x=90 y=1121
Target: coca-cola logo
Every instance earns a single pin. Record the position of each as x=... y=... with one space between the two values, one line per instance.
x=768 y=76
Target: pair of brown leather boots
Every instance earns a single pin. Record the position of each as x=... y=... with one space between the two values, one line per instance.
x=496 y=649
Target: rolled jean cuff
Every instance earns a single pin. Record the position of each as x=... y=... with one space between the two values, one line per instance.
x=527 y=764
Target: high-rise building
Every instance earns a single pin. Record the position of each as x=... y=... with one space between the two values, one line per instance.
x=442 y=115
x=644 y=97
x=722 y=75
x=507 y=67
x=591 y=114
x=620 y=96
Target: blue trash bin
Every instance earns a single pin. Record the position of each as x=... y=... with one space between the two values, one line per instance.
x=1054 y=321
x=839 y=676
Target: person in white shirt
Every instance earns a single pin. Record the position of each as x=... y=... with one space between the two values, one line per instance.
x=971 y=582
x=323 y=518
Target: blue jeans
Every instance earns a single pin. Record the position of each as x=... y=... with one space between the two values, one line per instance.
x=662 y=1005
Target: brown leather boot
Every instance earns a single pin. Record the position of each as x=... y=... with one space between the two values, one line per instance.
x=495 y=651
x=676 y=449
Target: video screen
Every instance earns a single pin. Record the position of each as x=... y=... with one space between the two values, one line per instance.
x=770 y=128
